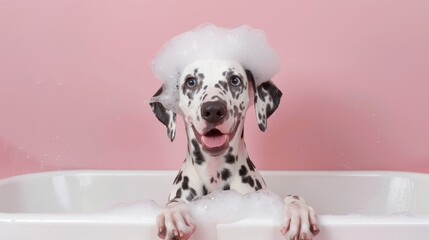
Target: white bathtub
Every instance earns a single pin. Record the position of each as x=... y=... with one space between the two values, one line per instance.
x=351 y=205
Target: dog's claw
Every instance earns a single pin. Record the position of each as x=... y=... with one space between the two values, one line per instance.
x=315 y=230
x=162 y=232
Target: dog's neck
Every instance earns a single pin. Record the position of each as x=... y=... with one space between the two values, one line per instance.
x=206 y=165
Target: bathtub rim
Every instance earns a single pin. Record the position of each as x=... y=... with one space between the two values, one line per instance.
x=100 y=172
x=101 y=217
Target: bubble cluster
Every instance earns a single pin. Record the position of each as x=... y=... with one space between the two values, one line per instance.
x=231 y=206
x=219 y=207
x=244 y=44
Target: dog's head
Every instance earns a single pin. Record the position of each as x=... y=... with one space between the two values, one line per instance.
x=214 y=98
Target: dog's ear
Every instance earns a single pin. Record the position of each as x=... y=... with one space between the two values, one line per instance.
x=167 y=117
x=267 y=99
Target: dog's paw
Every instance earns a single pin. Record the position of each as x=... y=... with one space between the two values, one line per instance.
x=175 y=222
x=300 y=220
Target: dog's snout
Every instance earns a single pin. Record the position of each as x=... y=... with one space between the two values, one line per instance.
x=213 y=112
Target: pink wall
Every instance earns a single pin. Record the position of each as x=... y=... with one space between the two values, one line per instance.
x=74 y=77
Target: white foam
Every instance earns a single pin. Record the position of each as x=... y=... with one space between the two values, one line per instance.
x=215 y=208
x=244 y=44
x=231 y=206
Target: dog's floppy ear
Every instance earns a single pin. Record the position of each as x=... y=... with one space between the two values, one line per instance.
x=167 y=117
x=267 y=99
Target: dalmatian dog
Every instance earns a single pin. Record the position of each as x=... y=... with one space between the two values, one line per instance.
x=214 y=98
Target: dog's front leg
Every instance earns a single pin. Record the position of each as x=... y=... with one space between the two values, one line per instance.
x=300 y=220
x=175 y=222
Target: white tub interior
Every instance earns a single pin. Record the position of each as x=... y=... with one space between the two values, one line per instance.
x=351 y=205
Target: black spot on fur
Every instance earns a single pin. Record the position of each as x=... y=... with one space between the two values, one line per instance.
x=248 y=180
x=225 y=174
x=241 y=107
x=199 y=158
x=178 y=178
x=224 y=85
x=243 y=171
x=229 y=158
x=226 y=187
x=191 y=195
x=185 y=183
x=295 y=197
x=190 y=95
x=178 y=193
x=250 y=164
x=216 y=97
x=201 y=76
x=235 y=110
x=261 y=126
x=205 y=192
x=258 y=185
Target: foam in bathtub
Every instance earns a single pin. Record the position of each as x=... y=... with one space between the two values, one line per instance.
x=215 y=208
x=245 y=45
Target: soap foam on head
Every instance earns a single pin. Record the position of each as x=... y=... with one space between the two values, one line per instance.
x=244 y=44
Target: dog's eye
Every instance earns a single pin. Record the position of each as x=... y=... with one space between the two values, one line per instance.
x=235 y=81
x=191 y=82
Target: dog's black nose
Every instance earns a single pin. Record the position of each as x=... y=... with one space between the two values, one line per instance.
x=213 y=112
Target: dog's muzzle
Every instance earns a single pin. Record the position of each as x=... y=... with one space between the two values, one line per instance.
x=214 y=141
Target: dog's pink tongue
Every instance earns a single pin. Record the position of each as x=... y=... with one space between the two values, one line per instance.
x=213 y=142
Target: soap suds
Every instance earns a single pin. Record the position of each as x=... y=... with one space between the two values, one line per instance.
x=219 y=207
x=244 y=44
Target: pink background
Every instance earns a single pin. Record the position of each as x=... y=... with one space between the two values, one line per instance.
x=74 y=77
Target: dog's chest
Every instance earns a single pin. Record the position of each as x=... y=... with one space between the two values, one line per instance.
x=213 y=174
x=213 y=166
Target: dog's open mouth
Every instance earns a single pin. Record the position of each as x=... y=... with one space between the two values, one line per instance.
x=214 y=141
x=214 y=138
